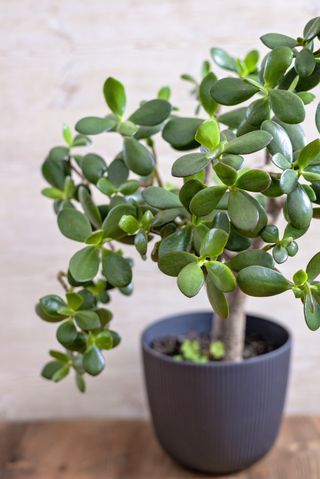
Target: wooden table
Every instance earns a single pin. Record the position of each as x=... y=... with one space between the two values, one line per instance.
x=121 y=449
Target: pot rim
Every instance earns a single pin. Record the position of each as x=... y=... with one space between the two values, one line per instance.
x=216 y=364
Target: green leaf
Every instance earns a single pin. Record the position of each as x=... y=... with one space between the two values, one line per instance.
x=51 y=368
x=305 y=63
x=226 y=173
x=206 y=99
x=277 y=63
x=254 y=180
x=141 y=243
x=161 y=198
x=280 y=254
x=261 y=281
x=129 y=187
x=50 y=305
x=208 y=134
x=80 y=382
x=206 y=200
x=221 y=276
x=52 y=193
x=312 y=312
x=116 y=269
x=313 y=267
x=118 y=171
x=312 y=29
x=115 y=96
x=84 y=264
x=111 y=226
x=179 y=241
x=74 y=225
x=248 y=143
x=151 y=113
x=287 y=106
x=90 y=209
x=129 y=224
x=67 y=333
x=243 y=210
x=164 y=93
x=223 y=59
x=232 y=91
x=74 y=300
x=188 y=190
x=295 y=133
x=94 y=125
x=55 y=171
x=250 y=258
x=309 y=153
x=306 y=97
x=190 y=164
x=137 y=157
x=190 y=280
x=95 y=238
x=180 y=132
x=280 y=161
x=93 y=167
x=87 y=320
x=233 y=118
x=280 y=140
x=93 y=361
x=217 y=350
x=318 y=117
x=288 y=181
x=299 y=208
x=258 y=111
x=172 y=263
x=213 y=243
x=104 y=340
x=274 y=40
x=217 y=299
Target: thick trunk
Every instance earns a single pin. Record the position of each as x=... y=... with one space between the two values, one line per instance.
x=231 y=331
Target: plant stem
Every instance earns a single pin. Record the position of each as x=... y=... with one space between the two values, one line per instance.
x=60 y=277
x=156 y=173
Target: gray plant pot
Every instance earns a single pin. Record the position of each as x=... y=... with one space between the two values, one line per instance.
x=218 y=417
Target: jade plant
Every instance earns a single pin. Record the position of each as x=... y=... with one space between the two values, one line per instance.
x=214 y=227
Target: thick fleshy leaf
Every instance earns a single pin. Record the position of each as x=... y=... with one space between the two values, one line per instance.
x=204 y=93
x=258 y=111
x=151 y=113
x=254 y=180
x=172 y=263
x=295 y=133
x=137 y=157
x=313 y=267
x=318 y=117
x=223 y=59
x=180 y=132
x=288 y=181
x=67 y=333
x=116 y=269
x=84 y=264
x=299 y=208
x=206 y=200
x=233 y=118
x=160 y=198
x=93 y=167
x=312 y=29
x=280 y=161
x=94 y=125
x=50 y=306
x=75 y=300
x=87 y=320
x=305 y=63
x=208 y=134
x=217 y=299
x=129 y=224
x=250 y=258
x=280 y=140
x=226 y=173
x=181 y=240
x=221 y=276
x=235 y=161
x=93 y=361
x=261 y=281
x=280 y=254
x=287 y=106
x=190 y=164
x=231 y=91
x=55 y=171
x=111 y=226
x=243 y=210
x=74 y=225
x=277 y=63
x=312 y=312
x=248 y=143
x=190 y=280
x=213 y=243
x=115 y=96
x=274 y=40
x=188 y=191
x=89 y=207
x=309 y=153
x=118 y=171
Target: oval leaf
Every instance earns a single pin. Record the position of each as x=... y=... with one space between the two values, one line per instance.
x=261 y=281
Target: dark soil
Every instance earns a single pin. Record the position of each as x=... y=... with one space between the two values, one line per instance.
x=171 y=346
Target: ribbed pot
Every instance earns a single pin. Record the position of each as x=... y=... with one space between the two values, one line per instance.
x=218 y=417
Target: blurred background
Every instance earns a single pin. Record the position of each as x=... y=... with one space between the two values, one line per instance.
x=54 y=58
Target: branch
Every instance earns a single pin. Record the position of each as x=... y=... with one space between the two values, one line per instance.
x=60 y=277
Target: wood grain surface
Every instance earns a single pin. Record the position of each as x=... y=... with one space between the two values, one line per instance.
x=120 y=449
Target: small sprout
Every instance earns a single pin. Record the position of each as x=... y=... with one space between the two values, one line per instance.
x=217 y=350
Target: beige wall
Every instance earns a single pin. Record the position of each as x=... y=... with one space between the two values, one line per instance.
x=54 y=56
